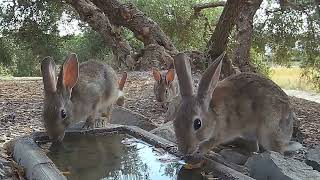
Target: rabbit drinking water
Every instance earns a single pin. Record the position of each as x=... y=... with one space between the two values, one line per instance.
x=221 y=111
x=82 y=92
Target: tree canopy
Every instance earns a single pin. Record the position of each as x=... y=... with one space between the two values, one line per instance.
x=283 y=31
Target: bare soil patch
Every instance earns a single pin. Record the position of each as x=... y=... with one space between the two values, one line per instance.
x=21 y=106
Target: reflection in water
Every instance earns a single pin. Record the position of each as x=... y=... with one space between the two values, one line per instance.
x=105 y=157
x=190 y=174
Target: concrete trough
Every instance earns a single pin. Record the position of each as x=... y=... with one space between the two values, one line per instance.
x=38 y=166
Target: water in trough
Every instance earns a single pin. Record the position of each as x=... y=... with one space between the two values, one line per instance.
x=115 y=157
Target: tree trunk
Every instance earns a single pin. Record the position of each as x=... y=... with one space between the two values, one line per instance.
x=106 y=16
x=99 y=22
x=129 y=16
x=241 y=57
x=220 y=37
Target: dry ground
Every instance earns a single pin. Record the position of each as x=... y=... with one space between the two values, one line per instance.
x=21 y=106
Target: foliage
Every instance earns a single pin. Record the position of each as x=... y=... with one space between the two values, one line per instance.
x=19 y=60
x=291 y=34
x=5 y=52
x=4 y=72
x=5 y=57
x=33 y=23
x=176 y=19
x=29 y=31
x=312 y=71
x=260 y=62
x=32 y=27
x=87 y=46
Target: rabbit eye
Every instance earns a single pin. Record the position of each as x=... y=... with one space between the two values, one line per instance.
x=197 y=124
x=63 y=114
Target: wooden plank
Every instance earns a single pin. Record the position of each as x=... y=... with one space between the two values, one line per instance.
x=36 y=164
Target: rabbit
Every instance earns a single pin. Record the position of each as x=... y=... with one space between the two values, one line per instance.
x=165 y=86
x=244 y=103
x=80 y=93
x=121 y=99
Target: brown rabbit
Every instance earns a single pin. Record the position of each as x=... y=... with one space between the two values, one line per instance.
x=244 y=103
x=121 y=98
x=165 y=86
x=79 y=93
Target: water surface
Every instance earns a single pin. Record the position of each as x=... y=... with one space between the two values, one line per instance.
x=112 y=158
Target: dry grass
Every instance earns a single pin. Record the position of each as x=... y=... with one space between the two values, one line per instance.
x=290 y=78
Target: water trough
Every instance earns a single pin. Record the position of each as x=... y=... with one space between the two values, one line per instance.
x=28 y=153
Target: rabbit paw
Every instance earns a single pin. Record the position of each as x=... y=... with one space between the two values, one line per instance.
x=101 y=122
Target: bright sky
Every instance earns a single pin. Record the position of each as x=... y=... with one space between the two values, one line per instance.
x=67 y=27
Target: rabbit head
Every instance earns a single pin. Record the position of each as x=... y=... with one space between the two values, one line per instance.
x=164 y=85
x=121 y=99
x=57 y=110
x=192 y=123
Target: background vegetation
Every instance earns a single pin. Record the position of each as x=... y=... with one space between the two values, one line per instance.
x=29 y=31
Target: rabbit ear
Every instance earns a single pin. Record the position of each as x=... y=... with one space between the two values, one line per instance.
x=209 y=80
x=48 y=71
x=123 y=80
x=183 y=70
x=69 y=73
x=156 y=74
x=170 y=75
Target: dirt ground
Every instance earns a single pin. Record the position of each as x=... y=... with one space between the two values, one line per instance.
x=21 y=106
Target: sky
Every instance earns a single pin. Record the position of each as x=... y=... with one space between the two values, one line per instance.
x=67 y=27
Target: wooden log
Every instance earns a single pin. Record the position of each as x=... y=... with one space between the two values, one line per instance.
x=36 y=164
x=217 y=158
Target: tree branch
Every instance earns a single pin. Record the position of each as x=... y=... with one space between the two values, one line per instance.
x=99 y=22
x=129 y=16
x=198 y=7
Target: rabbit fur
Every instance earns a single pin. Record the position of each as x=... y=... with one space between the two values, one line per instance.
x=244 y=103
x=82 y=92
x=165 y=86
x=121 y=99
